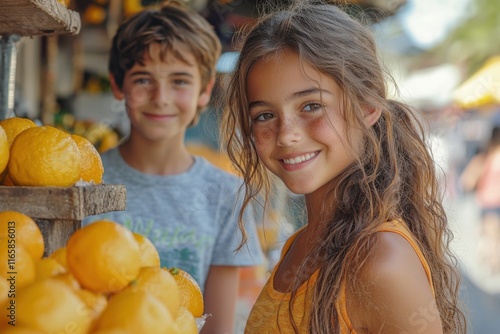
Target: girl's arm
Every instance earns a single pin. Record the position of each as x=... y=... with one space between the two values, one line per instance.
x=221 y=293
x=396 y=296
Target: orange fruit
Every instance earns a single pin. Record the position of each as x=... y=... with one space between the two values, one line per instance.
x=103 y=256
x=149 y=253
x=4 y=151
x=48 y=267
x=161 y=284
x=44 y=156
x=90 y=161
x=68 y=279
x=24 y=229
x=186 y=321
x=137 y=311
x=16 y=263
x=60 y=256
x=51 y=307
x=4 y=290
x=20 y=330
x=191 y=296
x=95 y=302
x=14 y=126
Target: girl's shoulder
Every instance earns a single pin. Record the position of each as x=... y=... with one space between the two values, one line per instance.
x=396 y=281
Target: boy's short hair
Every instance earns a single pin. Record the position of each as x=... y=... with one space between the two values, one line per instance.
x=171 y=24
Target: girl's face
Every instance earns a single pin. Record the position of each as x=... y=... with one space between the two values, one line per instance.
x=297 y=125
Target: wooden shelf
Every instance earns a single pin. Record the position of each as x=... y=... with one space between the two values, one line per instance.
x=37 y=17
x=59 y=211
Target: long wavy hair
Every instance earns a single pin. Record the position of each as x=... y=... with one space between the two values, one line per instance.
x=393 y=178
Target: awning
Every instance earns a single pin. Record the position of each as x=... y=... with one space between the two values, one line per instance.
x=482 y=88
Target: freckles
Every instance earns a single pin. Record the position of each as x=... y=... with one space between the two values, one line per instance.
x=263 y=136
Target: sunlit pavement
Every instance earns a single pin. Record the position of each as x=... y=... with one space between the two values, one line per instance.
x=480 y=288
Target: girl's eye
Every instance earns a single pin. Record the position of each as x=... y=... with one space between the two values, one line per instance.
x=263 y=116
x=312 y=107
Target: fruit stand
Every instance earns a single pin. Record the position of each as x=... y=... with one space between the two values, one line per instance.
x=59 y=211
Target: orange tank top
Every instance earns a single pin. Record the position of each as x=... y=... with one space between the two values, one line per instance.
x=270 y=313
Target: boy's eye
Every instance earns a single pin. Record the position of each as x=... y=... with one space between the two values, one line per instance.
x=263 y=116
x=143 y=81
x=312 y=107
x=180 y=82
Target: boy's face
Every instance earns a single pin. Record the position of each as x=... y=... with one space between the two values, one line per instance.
x=162 y=95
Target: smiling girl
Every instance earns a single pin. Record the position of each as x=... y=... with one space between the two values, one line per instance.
x=308 y=103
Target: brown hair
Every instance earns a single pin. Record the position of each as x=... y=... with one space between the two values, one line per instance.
x=393 y=178
x=170 y=25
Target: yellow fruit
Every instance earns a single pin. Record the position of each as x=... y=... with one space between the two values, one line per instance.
x=4 y=151
x=103 y=256
x=108 y=141
x=24 y=229
x=137 y=311
x=96 y=303
x=48 y=267
x=52 y=307
x=149 y=253
x=191 y=296
x=4 y=290
x=161 y=284
x=20 y=330
x=186 y=322
x=60 y=256
x=44 y=156
x=14 y=126
x=94 y=14
x=16 y=264
x=90 y=161
x=68 y=279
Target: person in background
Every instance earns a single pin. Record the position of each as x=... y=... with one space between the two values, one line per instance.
x=162 y=65
x=308 y=102
x=482 y=176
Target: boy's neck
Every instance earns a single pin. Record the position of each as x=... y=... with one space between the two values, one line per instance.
x=156 y=158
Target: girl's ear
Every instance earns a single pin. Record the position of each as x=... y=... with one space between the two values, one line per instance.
x=117 y=91
x=371 y=116
x=206 y=93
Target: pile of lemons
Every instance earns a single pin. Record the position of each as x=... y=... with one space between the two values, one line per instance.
x=106 y=279
x=32 y=155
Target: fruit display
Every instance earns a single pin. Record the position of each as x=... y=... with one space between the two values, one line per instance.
x=46 y=156
x=99 y=282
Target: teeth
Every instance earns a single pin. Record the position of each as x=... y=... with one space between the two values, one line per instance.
x=299 y=159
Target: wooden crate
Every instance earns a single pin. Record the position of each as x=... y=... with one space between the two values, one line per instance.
x=37 y=17
x=59 y=211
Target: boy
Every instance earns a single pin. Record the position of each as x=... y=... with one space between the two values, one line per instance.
x=162 y=64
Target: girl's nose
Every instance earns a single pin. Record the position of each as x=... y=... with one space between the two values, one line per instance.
x=289 y=132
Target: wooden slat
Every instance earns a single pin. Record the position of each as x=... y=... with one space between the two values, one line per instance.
x=60 y=203
x=37 y=17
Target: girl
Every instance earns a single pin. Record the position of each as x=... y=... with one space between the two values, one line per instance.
x=308 y=103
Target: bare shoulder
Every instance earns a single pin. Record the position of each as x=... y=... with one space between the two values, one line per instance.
x=396 y=296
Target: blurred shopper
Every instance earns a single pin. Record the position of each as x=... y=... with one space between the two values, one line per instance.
x=482 y=176
x=162 y=65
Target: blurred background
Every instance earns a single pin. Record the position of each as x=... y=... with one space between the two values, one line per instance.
x=443 y=55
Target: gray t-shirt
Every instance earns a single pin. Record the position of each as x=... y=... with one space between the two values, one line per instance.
x=190 y=217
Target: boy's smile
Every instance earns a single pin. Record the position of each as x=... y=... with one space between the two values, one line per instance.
x=162 y=95
x=297 y=125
